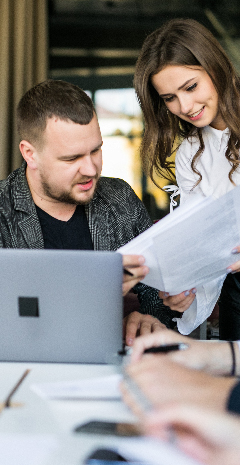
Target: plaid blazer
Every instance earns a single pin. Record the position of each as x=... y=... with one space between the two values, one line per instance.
x=115 y=216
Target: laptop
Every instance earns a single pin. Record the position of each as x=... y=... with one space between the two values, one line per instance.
x=60 y=306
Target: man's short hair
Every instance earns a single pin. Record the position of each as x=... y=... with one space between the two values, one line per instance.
x=47 y=99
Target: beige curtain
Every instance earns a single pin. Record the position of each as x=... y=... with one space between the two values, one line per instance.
x=23 y=63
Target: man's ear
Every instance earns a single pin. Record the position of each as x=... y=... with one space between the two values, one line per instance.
x=29 y=153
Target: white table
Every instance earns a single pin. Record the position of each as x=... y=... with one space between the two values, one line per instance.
x=56 y=418
x=41 y=432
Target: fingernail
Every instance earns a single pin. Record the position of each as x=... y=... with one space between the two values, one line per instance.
x=235 y=250
x=130 y=342
x=229 y=270
x=186 y=293
x=141 y=260
x=165 y=294
x=194 y=291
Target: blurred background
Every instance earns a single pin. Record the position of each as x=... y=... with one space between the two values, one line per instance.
x=95 y=44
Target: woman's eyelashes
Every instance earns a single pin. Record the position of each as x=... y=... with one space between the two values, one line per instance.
x=192 y=87
x=188 y=89
x=169 y=99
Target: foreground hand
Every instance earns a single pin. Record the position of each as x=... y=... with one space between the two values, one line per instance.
x=179 y=302
x=136 y=323
x=209 y=437
x=163 y=381
x=211 y=356
x=235 y=267
x=135 y=265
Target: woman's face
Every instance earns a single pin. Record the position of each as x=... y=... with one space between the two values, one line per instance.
x=189 y=93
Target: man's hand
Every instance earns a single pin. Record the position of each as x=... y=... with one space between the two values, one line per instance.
x=134 y=264
x=136 y=323
x=179 y=302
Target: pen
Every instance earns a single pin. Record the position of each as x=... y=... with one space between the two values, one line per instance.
x=7 y=401
x=145 y=404
x=137 y=393
x=166 y=348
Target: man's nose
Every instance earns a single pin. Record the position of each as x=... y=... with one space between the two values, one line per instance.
x=87 y=166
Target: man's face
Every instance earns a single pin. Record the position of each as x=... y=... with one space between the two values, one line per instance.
x=70 y=162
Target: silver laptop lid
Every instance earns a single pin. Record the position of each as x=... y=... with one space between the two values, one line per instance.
x=60 y=305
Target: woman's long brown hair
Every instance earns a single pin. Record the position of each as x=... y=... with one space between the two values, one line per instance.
x=183 y=42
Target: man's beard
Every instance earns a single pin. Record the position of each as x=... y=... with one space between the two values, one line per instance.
x=65 y=197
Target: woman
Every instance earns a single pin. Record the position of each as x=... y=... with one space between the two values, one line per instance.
x=190 y=95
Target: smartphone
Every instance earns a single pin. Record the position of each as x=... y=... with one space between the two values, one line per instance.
x=104 y=457
x=108 y=428
x=108 y=457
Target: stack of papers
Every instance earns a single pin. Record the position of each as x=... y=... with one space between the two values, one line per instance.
x=192 y=245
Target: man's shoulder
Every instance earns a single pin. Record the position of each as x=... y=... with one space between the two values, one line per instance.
x=113 y=183
x=114 y=187
x=9 y=181
x=14 y=185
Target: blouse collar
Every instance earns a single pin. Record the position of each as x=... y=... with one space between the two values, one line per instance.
x=219 y=138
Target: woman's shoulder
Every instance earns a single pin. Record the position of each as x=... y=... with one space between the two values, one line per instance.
x=187 y=149
x=189 y=143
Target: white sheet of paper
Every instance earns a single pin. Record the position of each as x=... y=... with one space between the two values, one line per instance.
x=26 y=449
x=192 y=246
x=105 y=387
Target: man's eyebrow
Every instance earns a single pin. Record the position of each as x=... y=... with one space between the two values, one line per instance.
x=78 y=155
x=179 y=88
x=97 y=147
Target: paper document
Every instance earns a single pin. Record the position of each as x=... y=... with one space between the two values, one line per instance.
x=193 y=245
x=105 y=387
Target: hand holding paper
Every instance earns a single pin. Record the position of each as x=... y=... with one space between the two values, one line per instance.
x=192 y=246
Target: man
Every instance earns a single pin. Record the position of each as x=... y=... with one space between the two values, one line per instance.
x=58 y=200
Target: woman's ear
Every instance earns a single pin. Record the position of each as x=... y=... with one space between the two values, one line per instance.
x=29 y=153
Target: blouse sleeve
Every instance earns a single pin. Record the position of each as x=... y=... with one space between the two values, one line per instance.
x=208 y=294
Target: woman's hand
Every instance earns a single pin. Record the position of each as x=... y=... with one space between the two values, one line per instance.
x=209 y=437
x=163 y=381
x=214 y=357
x=235 y=267
x=179 y=302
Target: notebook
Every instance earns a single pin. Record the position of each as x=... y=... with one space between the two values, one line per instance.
x=60 y=305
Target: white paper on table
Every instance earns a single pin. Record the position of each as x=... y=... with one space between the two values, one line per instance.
x=105 y=387
x=192 y=246
x=152 y=452
x=26 y=449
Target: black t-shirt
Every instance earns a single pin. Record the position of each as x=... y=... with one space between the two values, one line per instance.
x=72 y=234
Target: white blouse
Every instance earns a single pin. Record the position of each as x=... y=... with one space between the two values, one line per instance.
x=214 y=168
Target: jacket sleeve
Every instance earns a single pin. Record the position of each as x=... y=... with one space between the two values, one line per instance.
x=150 y=302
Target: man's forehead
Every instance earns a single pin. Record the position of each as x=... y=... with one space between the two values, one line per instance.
x=66 y=123
x=65 y=133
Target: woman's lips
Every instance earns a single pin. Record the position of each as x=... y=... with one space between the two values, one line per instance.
x=196 y=115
